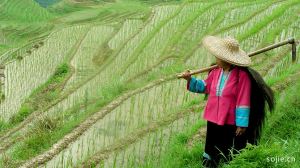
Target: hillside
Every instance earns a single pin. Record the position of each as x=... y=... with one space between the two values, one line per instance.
x=91 y=83
x=25 y=10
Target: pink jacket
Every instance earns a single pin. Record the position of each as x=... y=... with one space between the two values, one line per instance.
x=227 y=105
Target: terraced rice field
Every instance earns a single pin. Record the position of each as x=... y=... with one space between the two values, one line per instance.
x=120 y=104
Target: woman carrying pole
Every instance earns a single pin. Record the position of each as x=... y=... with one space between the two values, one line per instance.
x=237 y=94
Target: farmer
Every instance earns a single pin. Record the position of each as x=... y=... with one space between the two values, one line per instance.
x=229 y=88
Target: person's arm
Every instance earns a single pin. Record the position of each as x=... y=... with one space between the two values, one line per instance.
x=198 y=85
x=242 y=110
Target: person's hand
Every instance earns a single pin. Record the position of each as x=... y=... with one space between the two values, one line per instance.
x=240 y=130
x=187 y=75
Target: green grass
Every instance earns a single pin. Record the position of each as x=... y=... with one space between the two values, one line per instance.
x=292 y=69
x=40 y=97
x=148 y=38
x=21 y=22
x=48 y=130
x=36 y=143
x=79 y=14
x=280 y=138
x=178 y=154
x=40 y=141
x=277 y=13
x=23 y=11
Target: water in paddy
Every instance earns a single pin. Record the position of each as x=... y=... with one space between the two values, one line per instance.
x=46 y=3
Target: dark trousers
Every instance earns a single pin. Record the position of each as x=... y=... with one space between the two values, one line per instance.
x=220 y=141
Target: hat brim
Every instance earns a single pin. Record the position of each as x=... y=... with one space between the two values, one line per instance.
x=217 y=47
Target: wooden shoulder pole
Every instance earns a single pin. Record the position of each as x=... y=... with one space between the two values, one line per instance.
x=291 y=41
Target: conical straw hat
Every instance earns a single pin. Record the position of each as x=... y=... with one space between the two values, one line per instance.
x=226 y=49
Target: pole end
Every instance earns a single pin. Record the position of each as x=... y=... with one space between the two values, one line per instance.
x=294 y=52
x=291 y=40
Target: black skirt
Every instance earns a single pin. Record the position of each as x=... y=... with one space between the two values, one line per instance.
x=221 y=141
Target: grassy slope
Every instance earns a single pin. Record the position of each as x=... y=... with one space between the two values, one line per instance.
x=22 y=21
x=69 y=7
x=32 y=104
x=190 y=158
x=45 y=94
x=37 y=93
x=110 y=96
x=19 y=11
x=282 y=131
